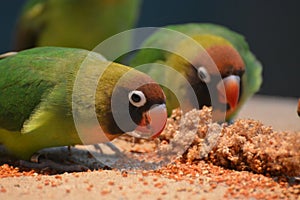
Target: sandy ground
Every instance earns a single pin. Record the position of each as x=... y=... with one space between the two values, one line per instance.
x=279 y=113
x=103 y=185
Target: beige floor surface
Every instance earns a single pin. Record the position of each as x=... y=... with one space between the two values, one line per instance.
x=278 y=112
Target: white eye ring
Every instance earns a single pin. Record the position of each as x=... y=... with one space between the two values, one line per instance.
x=203 y=74
x=137 y=98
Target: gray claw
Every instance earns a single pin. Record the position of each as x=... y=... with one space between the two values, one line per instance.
x=35 y=157
x=114 y=148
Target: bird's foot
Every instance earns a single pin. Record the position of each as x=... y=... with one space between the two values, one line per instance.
x=111 y=146
x=41 y=162
x=114 y=148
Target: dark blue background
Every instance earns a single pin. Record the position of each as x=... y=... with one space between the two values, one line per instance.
x=272 y=29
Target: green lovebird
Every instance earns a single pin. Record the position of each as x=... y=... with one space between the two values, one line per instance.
x=49 y=95
x=239 y=69
x=73 y=23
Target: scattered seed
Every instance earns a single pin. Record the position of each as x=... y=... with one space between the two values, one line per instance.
x=111 y=183
x=105 y=191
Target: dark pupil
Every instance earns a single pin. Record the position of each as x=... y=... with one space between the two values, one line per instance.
x=136 y=98
x=202 y=75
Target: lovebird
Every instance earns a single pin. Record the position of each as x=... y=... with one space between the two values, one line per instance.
x=73 y=23
x=49 y=95
x=238 y=69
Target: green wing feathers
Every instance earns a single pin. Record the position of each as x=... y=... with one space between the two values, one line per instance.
x=35 y=99
x=64 y=22
x=27 y=80
x=22 y=90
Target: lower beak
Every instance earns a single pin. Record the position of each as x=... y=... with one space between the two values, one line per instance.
x=229 y=90
x=152 y=123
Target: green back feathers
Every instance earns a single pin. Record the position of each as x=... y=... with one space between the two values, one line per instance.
x=28 y=78
x=68 y=23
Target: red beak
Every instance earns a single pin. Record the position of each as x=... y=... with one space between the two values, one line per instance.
x=153 y=122
x=229 y=91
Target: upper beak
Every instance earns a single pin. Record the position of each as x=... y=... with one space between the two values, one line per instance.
x=152 y=123
x=229 y=90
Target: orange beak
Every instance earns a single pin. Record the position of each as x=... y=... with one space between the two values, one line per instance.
x=229 y=91
x=152 y=123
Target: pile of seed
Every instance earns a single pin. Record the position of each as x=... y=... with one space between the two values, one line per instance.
x=244 y=145
x=11 y=171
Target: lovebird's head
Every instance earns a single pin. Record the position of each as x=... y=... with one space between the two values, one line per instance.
x=217 y=66
x=136 y=103
x=147 y=108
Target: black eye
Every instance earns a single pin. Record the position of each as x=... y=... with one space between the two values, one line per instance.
x=240 y=72
x=137 y=98
x=203 y=74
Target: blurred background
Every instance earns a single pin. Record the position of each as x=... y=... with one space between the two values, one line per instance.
x=271 y=28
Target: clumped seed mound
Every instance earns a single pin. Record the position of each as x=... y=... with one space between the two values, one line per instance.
x=244 y=145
